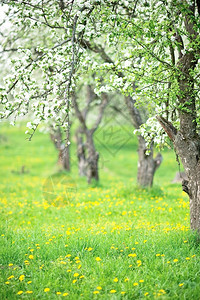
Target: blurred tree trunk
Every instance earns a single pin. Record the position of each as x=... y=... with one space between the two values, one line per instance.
x=62 y=146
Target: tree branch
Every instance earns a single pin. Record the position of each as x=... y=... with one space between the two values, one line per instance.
x=168 y=127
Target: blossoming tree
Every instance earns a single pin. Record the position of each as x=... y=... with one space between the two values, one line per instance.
x=148 y=50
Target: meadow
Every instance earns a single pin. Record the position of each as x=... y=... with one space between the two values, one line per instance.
x=63 y=239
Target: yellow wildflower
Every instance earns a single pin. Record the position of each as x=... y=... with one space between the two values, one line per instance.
x=98 y=259
x=46 y=290
x=20 y=292
x=113 y=291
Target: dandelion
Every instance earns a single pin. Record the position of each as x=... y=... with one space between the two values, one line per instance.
x=21 y=277
x=132 y=255
x=31 y=256
x=10 y=265
x=89 y=249
x=7 y=282
x=96 y=292
x=82 y=276
x=69 y=271
x=187 y=258
x=29 y=282
x=46 y=290
x=113 y=291
x=65 y=294
x=58 y=293
x=20 y=292
x=116 y=279
x=122 y=293
x=99 y=288
x=146 y=294
x=181 y=284
x=29 y=292
x=74 y=281
x=141 y=280
x=76 y=274
x=12 y=276
x=126 y=279
x=98 y=259
x=175 y=260
x=135 y=284
x=158 y=254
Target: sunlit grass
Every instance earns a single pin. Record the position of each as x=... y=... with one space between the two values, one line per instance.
x=62 y=239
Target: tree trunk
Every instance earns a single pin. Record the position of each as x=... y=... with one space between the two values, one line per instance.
x=62 y=147
x=147 y=165
x=92 y=159
x=82 y=164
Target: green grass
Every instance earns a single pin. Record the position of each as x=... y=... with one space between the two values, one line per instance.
x=62 y=239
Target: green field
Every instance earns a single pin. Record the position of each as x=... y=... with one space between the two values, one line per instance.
x=62 y=239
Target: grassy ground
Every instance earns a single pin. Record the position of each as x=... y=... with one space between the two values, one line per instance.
x=62 y=239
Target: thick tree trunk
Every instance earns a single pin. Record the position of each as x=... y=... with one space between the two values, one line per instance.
x=147 y=165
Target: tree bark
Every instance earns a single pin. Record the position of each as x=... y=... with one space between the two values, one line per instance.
x=147 y=165
x=92 y=159
x=62 y=147
x=81 y=155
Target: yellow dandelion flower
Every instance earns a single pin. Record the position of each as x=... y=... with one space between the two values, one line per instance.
x=141 y=280
x=29 y=282
x=46 y=290
x=98 y=259
x=181 y=284
x=113 y=291
x=187 y=258
x=82 y=276
x=126 y=279
x=89 y=249
x=135 y=284
x=58 y=293
x=122 y=293
x=96 y=292
x=10 y=277
x=158 y=254
x=21 y=277
x=76 y=258
x=31 y=256
x=65 y=294
x=69 y=271
x=76 y=274
x=20 y=292
x=116 y=279
x=146 y=294
x=7 y=282
x=74 y=281
x=132 y=255
x=175 y=260
x=79 y=266
x=99 y=288
x=29 y=292
x=10 y=265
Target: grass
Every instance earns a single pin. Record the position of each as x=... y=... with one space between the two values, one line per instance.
x=62 y=239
